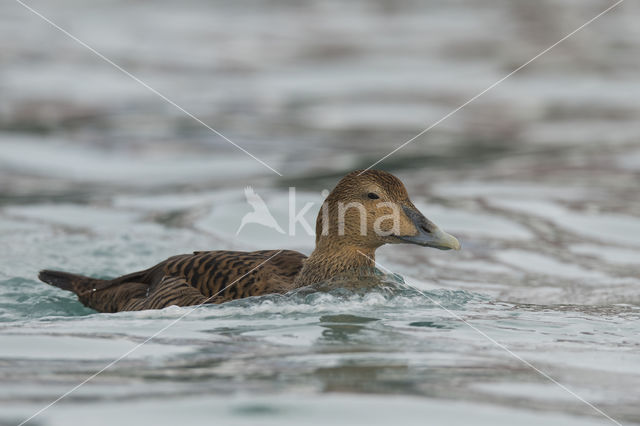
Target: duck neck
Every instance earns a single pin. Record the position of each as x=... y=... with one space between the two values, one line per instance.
x=328 y=261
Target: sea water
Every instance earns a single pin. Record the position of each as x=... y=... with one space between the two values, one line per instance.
x=535 y=321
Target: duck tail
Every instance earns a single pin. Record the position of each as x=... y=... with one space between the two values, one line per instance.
x=66 y=281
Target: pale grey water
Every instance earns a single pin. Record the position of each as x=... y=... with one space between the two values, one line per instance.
x=538 y=178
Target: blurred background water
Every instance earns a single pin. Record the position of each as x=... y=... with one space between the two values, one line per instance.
x=538 y=178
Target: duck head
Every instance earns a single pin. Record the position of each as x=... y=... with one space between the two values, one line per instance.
x=366 y=210
x=370 y=208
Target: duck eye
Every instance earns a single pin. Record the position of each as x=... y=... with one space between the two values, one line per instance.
x=373 y=195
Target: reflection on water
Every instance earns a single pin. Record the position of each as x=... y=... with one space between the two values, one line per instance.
x=538 y=178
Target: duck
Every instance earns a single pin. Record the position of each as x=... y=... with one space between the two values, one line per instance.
x=366 y=210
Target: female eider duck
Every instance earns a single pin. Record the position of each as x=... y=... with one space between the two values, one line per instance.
x=364 y=211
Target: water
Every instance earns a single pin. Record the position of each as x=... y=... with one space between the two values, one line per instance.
x=538 y=179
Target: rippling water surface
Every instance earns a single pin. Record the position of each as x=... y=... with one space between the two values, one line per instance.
x=538 y=178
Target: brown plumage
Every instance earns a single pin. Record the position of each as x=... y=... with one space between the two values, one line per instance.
x=364 y=211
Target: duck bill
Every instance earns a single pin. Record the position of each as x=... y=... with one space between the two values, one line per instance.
x=436 y=239
x=429 y=235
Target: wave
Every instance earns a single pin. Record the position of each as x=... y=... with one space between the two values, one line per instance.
x=25 y=299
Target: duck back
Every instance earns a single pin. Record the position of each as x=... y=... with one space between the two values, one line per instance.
x=187 y=279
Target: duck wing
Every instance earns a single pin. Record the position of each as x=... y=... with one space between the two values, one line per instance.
x=185 y=280
x=236 y=274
